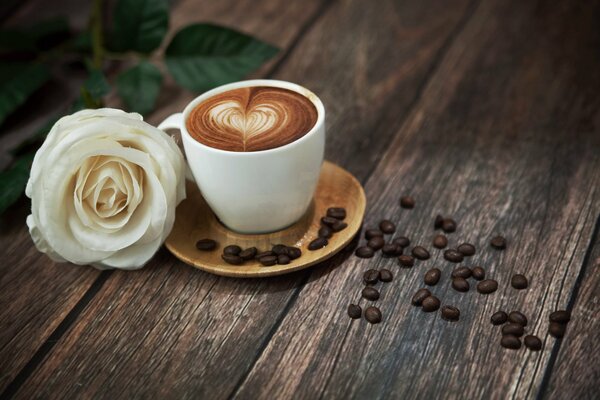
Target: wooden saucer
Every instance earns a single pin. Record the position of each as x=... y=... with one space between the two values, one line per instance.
x=194 y=220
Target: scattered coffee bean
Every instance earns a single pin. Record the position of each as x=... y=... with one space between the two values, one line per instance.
x=466 y=249
x=419 y=296
x=462 y=272
x=487 y=286
x=561 y=316
x=406 y=260
x=264 y=254
x=371 y=233
x=370 y=293
x=373 y=315
x=430 y=303
x=206 y=244
x=283 y=259
x=268 y=261
x=420 y=253
x=519 y=281
x=513 y=329
x=317 y=244
x=391 y=250
x=453 y=256
x=336 y=212
x=329 y=221
x=279 y=249
x=376 y=243
x=232 y=259
x=294 y=252
x=325 y=232
x=450 y=313
x=448 y=225
x=385 y=275
x=371 y=276
x=232 y=250
x=478 y=273
x=557 y=330
x=248 y=254
x=364 y=252
x=387 y=226
x=440 y=241
x=499 y=317
x=354 y=311
x=518 y=318
x=401 y=241
x=339 y=226
x=460 y=284
x=438 y=222
x=510 y=342
x=407 y=202
x=532 y=342
x=498 y=242
x=432 y=277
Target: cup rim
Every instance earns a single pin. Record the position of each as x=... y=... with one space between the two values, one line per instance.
x=251 y=83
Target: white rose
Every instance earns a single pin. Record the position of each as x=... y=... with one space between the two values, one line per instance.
x=103 y=188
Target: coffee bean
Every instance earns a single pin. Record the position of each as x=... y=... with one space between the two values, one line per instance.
x=407 y=202
x=466 y=249
x=478 y=273
x=498 y=242
x=294 y=252
x=317 y=244
x=561 y=316
x=371 y=233
x=419 y=296
x=371 y=276
x=487 y=286
x=325 y=232
x=430 y=303
x=264 y=254
x=329 y=221
x=406 y=260
x=448 y=225
x=206 y=244
x=432 y=277
x=401 y=241
x=391 y=250
x=283 y=259
x=376 y=243
x=453 y=256
x=420 y=253
x=510 y=342
x=440 y=241
x=336 y=212
x=248 y=254
x=279 y=249
x=533 y=343
x=513 y=329
x=373 y=315
x=438 y=222
x=339 y=226
x=385 y=275
x=557 y=330
x=518 y=318
x=519 y=281
x=460 y=284
x=387 y=226
x=364 y=252
x=232 y=250
x=370 y=293
x=462 y=272
x=499 y=317
x=450 y=313
x=232 y=259
x=354 y=311
x=268 y=261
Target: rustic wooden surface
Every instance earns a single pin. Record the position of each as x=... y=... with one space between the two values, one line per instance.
x=484 y=110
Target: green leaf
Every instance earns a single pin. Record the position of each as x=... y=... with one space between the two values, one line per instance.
x=17 y=82
x=96 y=84
x=202 y=56
x=14 y=180
x=139 y=25
x=139 y=87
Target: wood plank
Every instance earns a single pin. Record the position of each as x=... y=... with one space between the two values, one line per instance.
x=186 y=333
x=505 y=139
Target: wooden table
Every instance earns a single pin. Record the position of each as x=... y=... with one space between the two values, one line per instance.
x=488 y=111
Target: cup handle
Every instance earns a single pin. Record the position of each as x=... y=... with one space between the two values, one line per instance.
x=175 y=121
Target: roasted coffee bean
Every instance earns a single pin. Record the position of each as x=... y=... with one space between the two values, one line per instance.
x=387 y=226
x=430 y=303
x=478 y=273
x=354 y=311
x=325 y=232
x=513 y=329
x=498 y=242
x=487 y=286
x=420 y=253
x=339 y=226
x=264 y=254
x=557 y=330
x=364 y=252
x=371 y=276
x=453 y=256
x=438 y=222
x=329 y=221
x=406 y=260
x=432 y=277
x=232 y=250
x=232 y=259
x=317 y=244
x=391 y=249
x=268 y=261
x=373 y=315
x=533 y=343
x=206 y=244
x=401 y=241
x=460 y=284
x=519 y=281
x=294 y=252
x=407 y=202
x=336 y=212
x=279 y=249
x=518 y=318
x=561 y=316
x=248 y=254
x=419 y=296
x=376 y=243
x=462 y=272
x=499 y=317
x=371 y=233
x=370 y=293
x=385 y=275
x=283 y=259
x=448 y=225
x=466 y=249
x=440 y=241
x=510 y=342
x=450 y=313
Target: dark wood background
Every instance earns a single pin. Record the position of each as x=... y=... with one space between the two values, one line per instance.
x=488 y=111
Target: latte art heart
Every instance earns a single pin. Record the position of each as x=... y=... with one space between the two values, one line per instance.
x=252 y=119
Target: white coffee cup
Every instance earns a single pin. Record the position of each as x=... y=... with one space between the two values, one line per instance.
x=260 y=191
